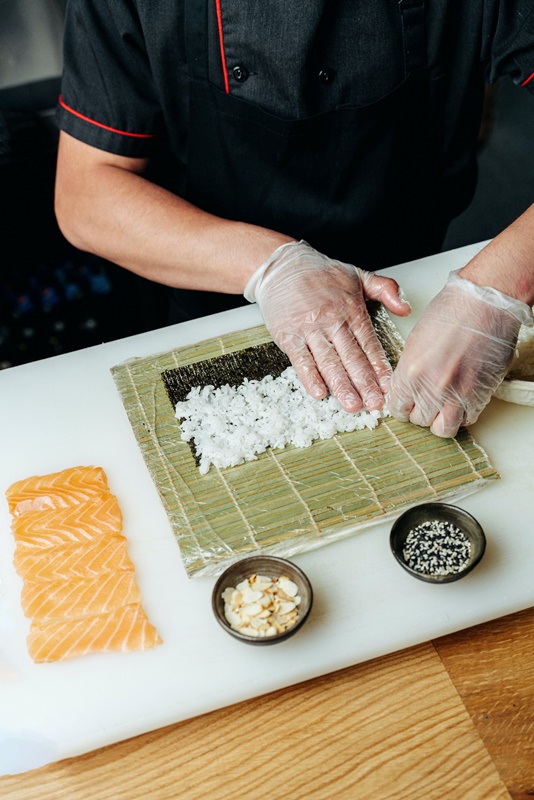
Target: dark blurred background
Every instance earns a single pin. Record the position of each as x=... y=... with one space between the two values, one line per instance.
x=54 y=298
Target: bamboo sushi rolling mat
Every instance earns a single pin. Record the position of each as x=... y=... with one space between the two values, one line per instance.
x=293 y=499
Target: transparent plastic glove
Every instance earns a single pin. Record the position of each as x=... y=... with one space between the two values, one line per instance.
x=456 y=356
x=314 y=308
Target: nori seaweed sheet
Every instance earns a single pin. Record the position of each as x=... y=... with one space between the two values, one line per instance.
x=254 y=363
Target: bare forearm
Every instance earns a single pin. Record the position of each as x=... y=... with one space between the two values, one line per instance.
x=507 y=263
x=121 y=216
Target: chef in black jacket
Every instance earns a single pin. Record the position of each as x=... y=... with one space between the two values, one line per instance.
x=260 y=149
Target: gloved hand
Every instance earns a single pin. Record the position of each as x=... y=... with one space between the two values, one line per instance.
x=315 y=310
x=456 y=356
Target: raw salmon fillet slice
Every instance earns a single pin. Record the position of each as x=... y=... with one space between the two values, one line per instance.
x=66 y=488
x=71 y=561
x=86 y=522
x=79 y=583
x=124 y=629
x=79 y=598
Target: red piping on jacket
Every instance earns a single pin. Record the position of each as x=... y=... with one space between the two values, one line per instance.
x=530 y=77
x=221 y=45
x=101 y=125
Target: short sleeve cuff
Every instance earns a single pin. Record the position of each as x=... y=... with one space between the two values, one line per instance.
x=132 y=144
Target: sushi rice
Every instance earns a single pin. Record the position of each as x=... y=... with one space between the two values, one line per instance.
x=233 y=424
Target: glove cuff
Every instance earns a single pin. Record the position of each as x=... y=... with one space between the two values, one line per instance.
x=521 y=311
x=252 y=288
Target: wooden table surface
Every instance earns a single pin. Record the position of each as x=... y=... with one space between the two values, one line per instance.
x=453 y=718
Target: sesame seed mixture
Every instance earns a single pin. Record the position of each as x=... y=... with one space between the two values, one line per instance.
x=437 y=548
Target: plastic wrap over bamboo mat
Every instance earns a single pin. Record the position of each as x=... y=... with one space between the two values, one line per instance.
x=292 y=499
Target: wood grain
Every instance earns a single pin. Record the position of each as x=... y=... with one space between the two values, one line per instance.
x=492 y=667
x=392 y=729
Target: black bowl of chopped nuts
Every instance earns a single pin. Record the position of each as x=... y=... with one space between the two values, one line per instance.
x=437 y=542
x=262 y=599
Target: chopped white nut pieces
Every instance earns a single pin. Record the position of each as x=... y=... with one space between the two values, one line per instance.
x=261 y=606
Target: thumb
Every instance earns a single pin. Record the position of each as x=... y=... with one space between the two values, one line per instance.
x=388 y=292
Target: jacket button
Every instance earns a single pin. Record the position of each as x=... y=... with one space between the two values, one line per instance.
x=240 y=73
x=326 y=76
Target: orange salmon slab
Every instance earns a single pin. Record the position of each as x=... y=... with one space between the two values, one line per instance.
x=80 y=589
x=66 y=488
x=85 y=522
x=69 y=561
x=124 y=629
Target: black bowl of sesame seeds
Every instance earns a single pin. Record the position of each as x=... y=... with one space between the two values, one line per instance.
x=437 y=542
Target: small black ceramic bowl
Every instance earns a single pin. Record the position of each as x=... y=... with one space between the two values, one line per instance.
x=433 y=525
x=271 y=567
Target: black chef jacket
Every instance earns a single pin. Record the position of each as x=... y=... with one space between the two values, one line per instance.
x=136 y=73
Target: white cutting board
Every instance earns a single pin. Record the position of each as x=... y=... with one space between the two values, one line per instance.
x=65 y=411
